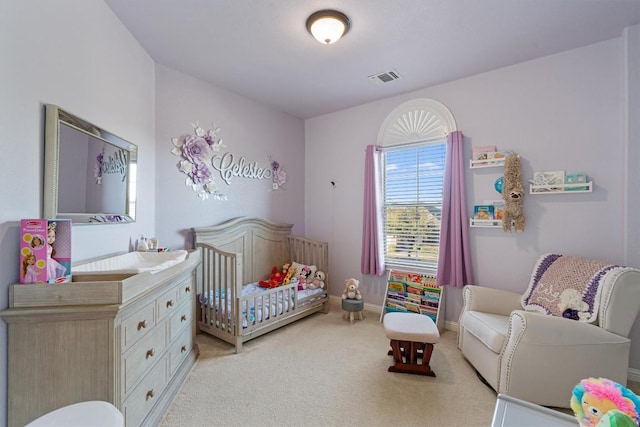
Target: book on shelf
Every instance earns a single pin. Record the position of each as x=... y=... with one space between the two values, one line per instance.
x=395 y=296
x=548 y=179
x=498 y=209
x=396 y=286
x=413 y=307
x=483 y=212
x=495 y=158
x=433 y=316
x=481 y=153
x=576 y=178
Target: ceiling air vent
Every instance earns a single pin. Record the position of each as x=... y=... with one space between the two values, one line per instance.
x=386 y=77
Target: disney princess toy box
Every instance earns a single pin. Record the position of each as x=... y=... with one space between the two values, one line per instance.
x=45 y=251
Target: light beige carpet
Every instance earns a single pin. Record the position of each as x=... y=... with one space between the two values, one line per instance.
x=322 y=371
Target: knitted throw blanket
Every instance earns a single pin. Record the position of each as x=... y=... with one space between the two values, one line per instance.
x=566 y=286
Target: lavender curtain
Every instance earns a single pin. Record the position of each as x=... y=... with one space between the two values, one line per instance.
x=372 y=259
x=454 y=260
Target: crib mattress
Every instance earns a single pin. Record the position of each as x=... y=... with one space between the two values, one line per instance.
x=259 y=308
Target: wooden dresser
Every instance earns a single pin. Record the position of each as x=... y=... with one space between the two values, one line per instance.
x=124 y=339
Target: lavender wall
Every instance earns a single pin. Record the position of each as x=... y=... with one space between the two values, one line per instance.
x=562 y=112
x=249 y=130
x=91 y=67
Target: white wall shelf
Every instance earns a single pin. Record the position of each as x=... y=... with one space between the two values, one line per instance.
x=491 y=163
x=580 y=187
x=485 y=223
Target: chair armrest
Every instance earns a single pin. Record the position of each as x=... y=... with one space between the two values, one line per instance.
x=546 y=330
x=620 y=301
x=490 y=300
x=563 y=351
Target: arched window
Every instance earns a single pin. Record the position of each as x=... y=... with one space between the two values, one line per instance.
x=413 y=138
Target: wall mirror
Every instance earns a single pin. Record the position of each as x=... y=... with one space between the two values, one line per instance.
x=89 y=173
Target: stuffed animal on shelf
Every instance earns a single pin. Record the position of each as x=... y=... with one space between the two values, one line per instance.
x=317 y=282
x=513 y=194
x=599 y=402
x=351 y=290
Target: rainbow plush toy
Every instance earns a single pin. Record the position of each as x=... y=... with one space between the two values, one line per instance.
x=599 y=402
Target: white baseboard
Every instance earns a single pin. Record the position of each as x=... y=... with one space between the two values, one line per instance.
x=337 y=301
x=450 y=325
x=633 y=375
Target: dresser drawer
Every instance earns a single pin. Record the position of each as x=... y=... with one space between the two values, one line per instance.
x=136 y=326
x=140 y=401
x=167 y=303
x=179 y=350
x=186 y=289
x=139 y=358
x=182 y=318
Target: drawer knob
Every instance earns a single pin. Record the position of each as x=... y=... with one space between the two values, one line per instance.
x=187 y=289
x=142 y=325
x=170 y=303
x=150 y=353
x=183 y=349
x=183 y=318
x=150 y=394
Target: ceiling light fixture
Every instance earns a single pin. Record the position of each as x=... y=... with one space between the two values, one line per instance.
x=328 y=26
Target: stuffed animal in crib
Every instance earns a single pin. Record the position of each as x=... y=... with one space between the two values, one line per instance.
x=599 y=402
x=285 y=269
x=317 y=282
x=274 y=281
x=351 y=290
x=291 y=271
x=513 y=194
x=303 y=278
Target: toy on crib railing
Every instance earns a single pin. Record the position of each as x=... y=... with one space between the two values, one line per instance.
x=599 y=402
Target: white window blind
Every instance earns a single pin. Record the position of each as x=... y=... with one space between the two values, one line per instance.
x=413 y=188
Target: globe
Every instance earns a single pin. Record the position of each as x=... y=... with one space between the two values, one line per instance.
x=498 y=184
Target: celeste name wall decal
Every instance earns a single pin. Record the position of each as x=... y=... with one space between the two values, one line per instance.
x=228 y=169
x=199 y=158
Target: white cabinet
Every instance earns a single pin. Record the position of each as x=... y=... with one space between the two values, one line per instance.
x=125 y=339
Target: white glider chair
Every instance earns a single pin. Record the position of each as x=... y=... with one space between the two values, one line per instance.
x=572 y=323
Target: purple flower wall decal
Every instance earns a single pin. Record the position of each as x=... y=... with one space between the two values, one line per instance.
x=195 y=152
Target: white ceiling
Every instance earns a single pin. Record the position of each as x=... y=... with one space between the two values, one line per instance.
x=261 y=49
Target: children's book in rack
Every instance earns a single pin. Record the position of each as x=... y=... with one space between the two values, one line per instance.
x=414 y=293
